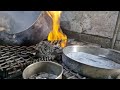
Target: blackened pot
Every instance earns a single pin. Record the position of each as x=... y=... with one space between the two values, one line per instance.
x=35 y=31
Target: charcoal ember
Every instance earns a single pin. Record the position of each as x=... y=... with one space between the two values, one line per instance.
x=47 y=51
x=44 y=45
x=43 y=75
x=33 y=76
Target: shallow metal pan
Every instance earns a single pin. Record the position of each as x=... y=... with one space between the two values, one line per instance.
x=94 y=62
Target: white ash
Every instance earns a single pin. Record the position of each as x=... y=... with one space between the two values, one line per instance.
x=43 y=75
x=93 y=60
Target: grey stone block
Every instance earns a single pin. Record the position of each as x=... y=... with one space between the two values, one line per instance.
x=101 y=23
x=117 y=45
x=118 y=36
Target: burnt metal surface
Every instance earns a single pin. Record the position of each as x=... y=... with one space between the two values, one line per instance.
x=14 y=59
x=31 y=36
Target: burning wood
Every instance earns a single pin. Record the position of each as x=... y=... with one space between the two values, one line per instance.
x=56 y=34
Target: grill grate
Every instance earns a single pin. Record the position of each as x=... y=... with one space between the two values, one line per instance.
x=68 y=74
x=13 y=59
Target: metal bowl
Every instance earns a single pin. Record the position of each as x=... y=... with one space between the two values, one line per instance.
x=43 y=66
x=103 y=63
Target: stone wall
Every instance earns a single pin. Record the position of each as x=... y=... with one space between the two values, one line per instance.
x=97 y=24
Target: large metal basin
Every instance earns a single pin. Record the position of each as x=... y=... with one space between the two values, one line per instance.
x=102 y=64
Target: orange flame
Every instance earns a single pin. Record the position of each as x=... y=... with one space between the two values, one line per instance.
x=56 y=33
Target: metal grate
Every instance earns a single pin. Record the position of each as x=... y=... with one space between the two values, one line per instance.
x=13 y=59
x=68 y=74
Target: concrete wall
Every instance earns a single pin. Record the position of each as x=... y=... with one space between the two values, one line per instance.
x=100 y=24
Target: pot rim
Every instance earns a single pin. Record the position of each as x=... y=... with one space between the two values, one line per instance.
x=90 y=47
x=33 y=22
x=58 y=76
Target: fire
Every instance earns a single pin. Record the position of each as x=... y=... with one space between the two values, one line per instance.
x=56 y=33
